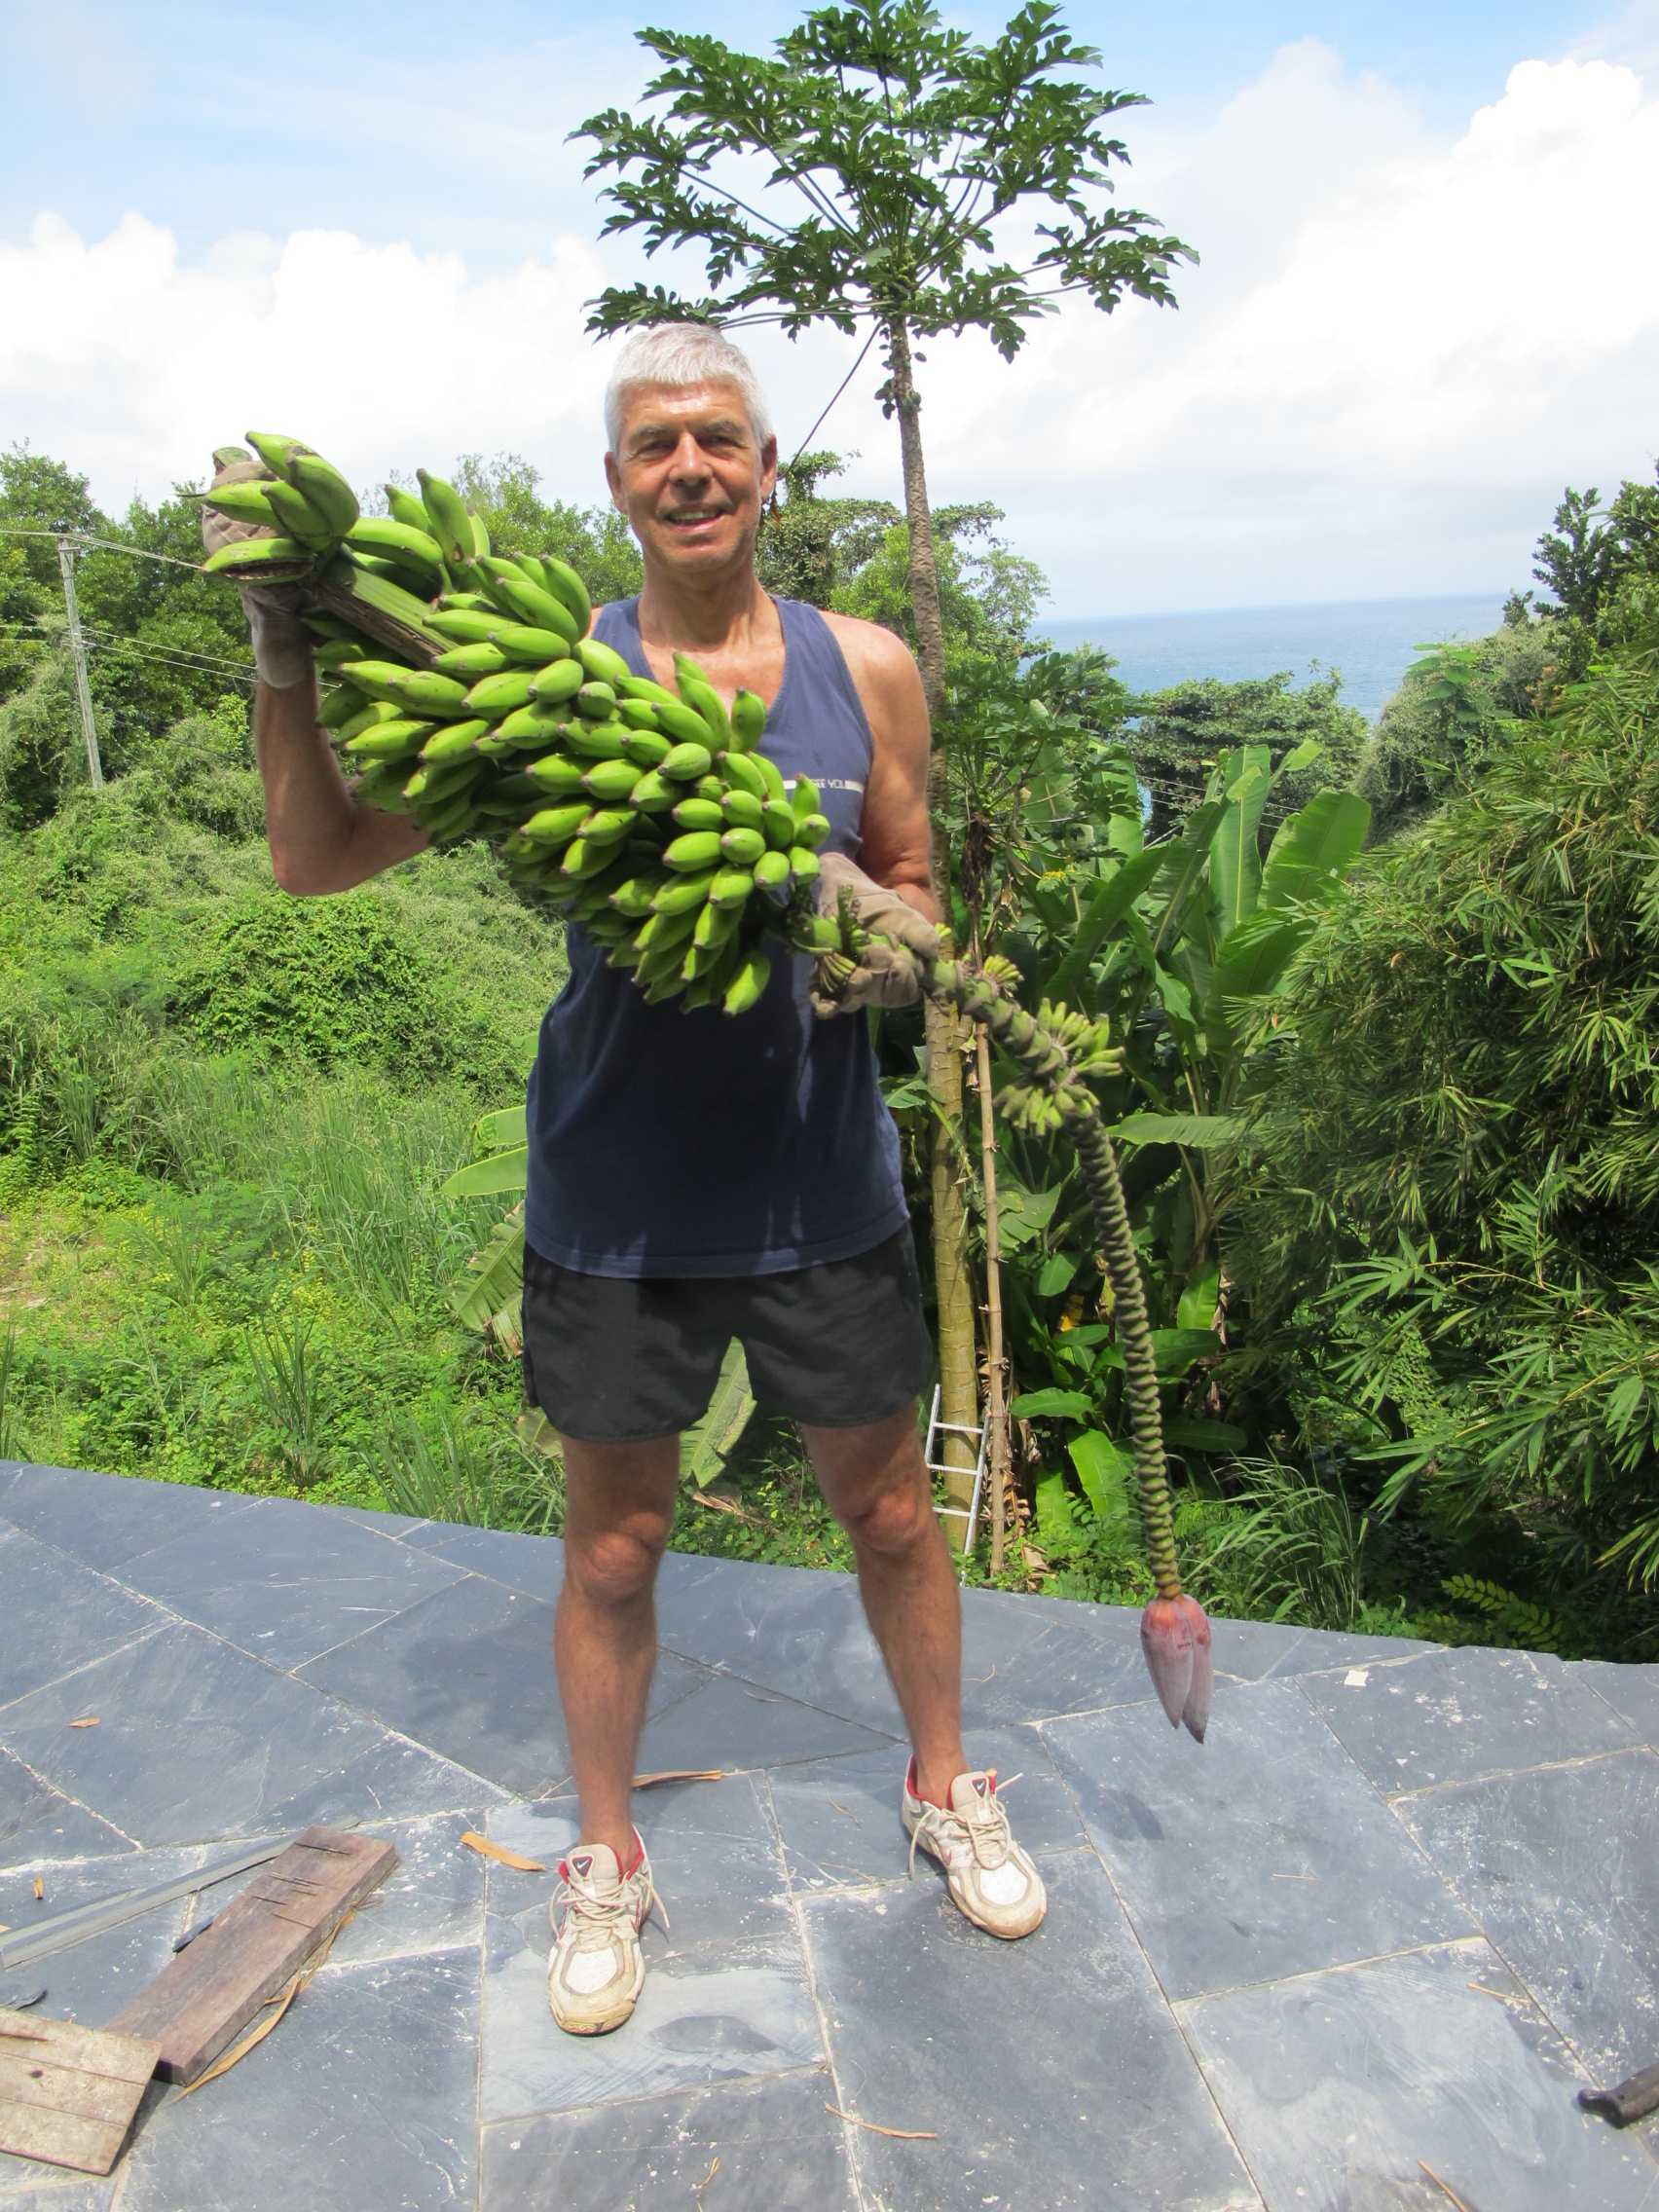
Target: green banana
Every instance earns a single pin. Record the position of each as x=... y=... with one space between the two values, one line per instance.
x=420 y=689
x=743 y=847
x=389 y=741
x=770 y=776
x=665 y=926
x=556 y=683
x=606 y=824
x=556 y=824
x=516 y=596
x=597 y=701
x=454 y=741
x=466 y=625
x=779 y=825
x=480 y=536
x=681 y=723
x=274 y=451
x=323 y=485
x=407 y=509
x=804 y=798
x=751 y=978
x=811 y=831
x=748 y=722
x=686 y=764
x=772 y=872
x=610 y=781
x=396 y=542
x=338 y=708
x=803 y=864
x=529 y=646
x=741 y=810
x=363 y=718
x=259 y=560
x=596 y=740
x=699 y=814
x=701 y=696
x=570 y=590
x=444 y=779
x=450 y=523
x=715 y=924
x=471 y=661
x=644 y=748
x=247 y=501
x=683 y=895
x=534 y=724
x=695 y=853
x=633 y=899
x=731 y=888
x=601 y=662
x=648 y=691
x=741 y=773
x=584 y=858
x=497 y=695
x=653 y=793
x=335 y=653
x=558 y=774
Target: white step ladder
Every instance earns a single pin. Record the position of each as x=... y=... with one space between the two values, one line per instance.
x=937 y=1428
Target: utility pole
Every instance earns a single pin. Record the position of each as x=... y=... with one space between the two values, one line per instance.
x=78 y=653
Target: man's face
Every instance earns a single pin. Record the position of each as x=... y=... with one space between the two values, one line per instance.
x=689 y=476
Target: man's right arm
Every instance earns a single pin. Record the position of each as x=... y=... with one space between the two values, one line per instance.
x=320 y=839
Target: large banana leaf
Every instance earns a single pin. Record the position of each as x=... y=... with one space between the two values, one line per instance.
x=487 y=1178
x=488 y=1296
x=1184 y=861
x=507 y=1127
x=1201 y=1132
x=1104 y=911
x=1234 y=855
x=710 y=1443
x=1252 y=959
x=1314 y=849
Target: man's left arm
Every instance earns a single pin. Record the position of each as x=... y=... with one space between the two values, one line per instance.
x=895 y=827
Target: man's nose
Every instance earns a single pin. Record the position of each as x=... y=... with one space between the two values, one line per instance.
x=690 y=465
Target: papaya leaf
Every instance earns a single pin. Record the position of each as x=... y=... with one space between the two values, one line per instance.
x=1023 y=1214
x=1197 y=1304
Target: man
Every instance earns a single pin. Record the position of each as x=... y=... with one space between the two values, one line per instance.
x=695 y=1177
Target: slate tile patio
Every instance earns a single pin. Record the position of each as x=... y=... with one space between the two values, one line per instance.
x=1361 y=1949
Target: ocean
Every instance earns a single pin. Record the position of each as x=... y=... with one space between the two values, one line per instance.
x=1372 y=642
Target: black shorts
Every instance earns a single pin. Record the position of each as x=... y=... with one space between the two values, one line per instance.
x=615 y=1360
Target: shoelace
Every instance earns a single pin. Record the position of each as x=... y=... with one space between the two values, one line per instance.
x=987 y=1835
x=594 y=1914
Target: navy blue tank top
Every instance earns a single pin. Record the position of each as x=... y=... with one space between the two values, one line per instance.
x=672 y=1143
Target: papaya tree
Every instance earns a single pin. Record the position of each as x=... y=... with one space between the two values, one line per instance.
x=884 y=173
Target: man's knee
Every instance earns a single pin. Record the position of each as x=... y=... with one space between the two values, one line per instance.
x=613 y=1567
x=892 y=1517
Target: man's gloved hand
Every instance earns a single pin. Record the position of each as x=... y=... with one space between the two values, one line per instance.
x=282 y=644
x=889 y=975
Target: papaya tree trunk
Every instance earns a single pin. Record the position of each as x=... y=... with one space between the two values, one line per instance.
x=946 y=1030
x=996 y=1367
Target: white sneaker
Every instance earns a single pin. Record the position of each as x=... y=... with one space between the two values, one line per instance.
x=992 y=1879
x=596 y=1968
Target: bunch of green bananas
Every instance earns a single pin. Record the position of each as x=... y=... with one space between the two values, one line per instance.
x=462 y=688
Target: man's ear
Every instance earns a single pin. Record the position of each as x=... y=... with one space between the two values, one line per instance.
x=768 y=469
x=613 y=477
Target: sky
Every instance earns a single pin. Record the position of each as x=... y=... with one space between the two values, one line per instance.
x=1426 y=298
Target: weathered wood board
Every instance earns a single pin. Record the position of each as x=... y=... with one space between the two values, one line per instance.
x=69 y=2094
x=198 y=2004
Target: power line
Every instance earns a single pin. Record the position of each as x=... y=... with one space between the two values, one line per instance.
x=107 y=544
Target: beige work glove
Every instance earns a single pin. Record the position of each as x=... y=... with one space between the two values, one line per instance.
x=889 y=975
x=281 y=643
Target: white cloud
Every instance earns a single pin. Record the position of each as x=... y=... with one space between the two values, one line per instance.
x=1397 y=348
x=1393 y=356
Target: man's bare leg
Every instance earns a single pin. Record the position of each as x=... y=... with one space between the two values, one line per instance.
x=875 y=1484
x=618 y=1510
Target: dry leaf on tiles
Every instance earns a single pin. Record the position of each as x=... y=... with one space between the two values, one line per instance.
x=87 y=1721
x=501 y=1853
x=684 y=1774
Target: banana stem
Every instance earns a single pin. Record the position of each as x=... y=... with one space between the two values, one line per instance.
x=1044 y=1059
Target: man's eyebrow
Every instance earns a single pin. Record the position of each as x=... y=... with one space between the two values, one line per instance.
x=729 y=425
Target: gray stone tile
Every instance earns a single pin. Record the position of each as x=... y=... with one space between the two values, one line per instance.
x=37 y=1821
x=89 y=1981
x=195 y=1740
x=1050 y=2069
x=1460 y=1714
x=400 y=1526
x=1559 y=1867
x=804 y=1634
x=1342 y=2087
x=362 y=2097
x=394 y=1779
x=10 y=1470
x=106 y=1520
x=726 y=1993
x=287 y=1584
x=1254 y=1651
x=778 y=2150
x=839 y=1817
x=532 y=1564
x=1117 y=1623
x=54 y=2191
x=732 y=1723
x=431 y=1900
x=1263 y=1853
x=55 y=1615
x=1633 y=1692
x=469 y=1672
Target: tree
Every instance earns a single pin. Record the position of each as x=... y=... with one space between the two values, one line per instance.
x=1183 y=730
x=948 y=185
x=595 y=540
x=811 y=547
